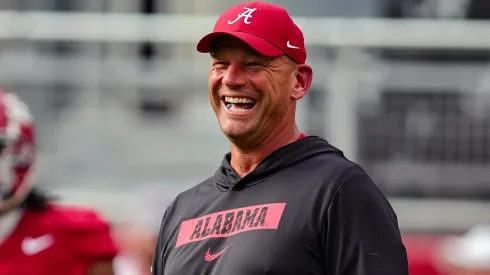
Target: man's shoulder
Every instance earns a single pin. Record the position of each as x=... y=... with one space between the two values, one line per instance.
x=183 y=199
x=187 y=194
x=331 y=166
x=323 y=157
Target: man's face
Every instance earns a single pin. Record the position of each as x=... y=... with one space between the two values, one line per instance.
x=251 y=94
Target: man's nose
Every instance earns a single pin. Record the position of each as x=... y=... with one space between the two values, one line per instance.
x=234 y=76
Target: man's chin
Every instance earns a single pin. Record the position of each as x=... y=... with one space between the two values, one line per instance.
x=236 y=134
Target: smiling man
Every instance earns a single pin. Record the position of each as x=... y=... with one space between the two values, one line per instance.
x=281 y=202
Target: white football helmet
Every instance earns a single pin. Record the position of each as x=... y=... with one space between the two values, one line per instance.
x=17 y=151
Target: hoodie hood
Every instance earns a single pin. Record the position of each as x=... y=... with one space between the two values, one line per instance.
x=227 y=179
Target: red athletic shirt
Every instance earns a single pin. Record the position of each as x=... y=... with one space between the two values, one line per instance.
x=58 y=241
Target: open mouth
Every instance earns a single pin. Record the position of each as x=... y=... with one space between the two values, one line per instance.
x=238 y=104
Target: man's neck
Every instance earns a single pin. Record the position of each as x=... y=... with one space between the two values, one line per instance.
x=245 y=161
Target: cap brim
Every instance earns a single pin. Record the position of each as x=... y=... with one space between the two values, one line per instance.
x=259 y=44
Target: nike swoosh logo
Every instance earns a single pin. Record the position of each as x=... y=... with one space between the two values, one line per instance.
x=210 y=257
x=31 y=246
x=291 y=46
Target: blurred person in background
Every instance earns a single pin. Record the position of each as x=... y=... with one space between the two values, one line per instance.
x=281 y=202
x=422 y=253
x=468 y=254
x=137 y=236
x=37 y=236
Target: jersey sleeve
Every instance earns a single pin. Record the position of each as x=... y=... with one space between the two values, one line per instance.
x=361 y=234
x=91 y=238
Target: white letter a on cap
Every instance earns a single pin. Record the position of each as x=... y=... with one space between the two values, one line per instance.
x=246 y=15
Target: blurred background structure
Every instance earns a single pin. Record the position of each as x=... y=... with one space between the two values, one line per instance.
x=120 y=98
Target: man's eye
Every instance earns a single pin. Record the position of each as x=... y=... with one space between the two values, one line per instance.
x=254 y=64
x=219 y=64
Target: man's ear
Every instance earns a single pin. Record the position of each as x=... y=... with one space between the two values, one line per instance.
x=304 y=77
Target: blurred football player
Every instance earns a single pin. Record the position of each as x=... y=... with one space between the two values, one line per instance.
x=137 y=236
x=37 y=236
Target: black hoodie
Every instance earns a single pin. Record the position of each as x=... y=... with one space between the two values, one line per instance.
x=305 y=209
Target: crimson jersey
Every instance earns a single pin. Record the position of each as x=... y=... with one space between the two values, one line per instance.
x=57 y=241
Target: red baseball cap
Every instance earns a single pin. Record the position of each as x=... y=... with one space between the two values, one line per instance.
x=267 y=28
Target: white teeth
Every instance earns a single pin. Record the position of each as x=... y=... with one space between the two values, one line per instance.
x=232 y=102
x=235 y=109
x=238 y=100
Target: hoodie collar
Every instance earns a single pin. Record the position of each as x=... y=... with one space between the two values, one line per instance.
x=304 y=148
